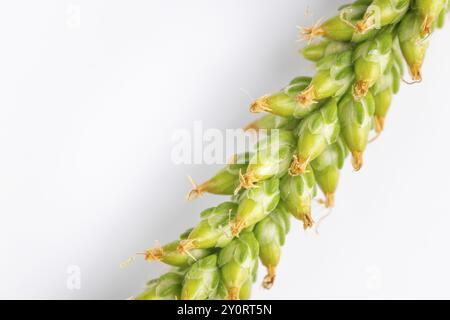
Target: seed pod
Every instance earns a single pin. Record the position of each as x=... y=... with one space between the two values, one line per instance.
x=271 y=121
x=327 y=169
x=225 y=181
x=356 y=117
x=272 y=158
x=297 y=193
x=316 y=132
x=429 y=11
x=271 y=234
x=285 y=103
x=371 y=61
x=383 y=93
x=236 y=263
x=334 y=76
x=342 y=26
x=382 y=13
x=214 y=231
x=319 y=50
x=255 y=204
x=201 y=280
x=414 y=46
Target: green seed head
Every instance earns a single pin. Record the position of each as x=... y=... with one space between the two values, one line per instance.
x=413 y=44
x=383 y=92
x=272 y=158
x=342 y=26
x=334 y=76
x=297 y=193
x=172 y=256
x=236 y=263
x=255 y=204
x=316 y=132
x=371 y=58
x=382 y=13
x=201 y=280
x=225 y=181
x=167 y=287
x=282 y=103
x=214 y=231
x=383 y=102
x=356 y=117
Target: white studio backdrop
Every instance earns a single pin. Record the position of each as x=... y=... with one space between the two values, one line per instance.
x=91 y=93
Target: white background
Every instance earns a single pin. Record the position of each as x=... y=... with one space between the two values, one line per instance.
x=90 y=95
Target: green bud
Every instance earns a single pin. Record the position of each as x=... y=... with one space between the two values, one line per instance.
x=342 y=26
x=172 y=256
x=282 y=103
x=297 y=193
x=382 y=13
x=327 y=169
x=356 y=121
x=272 y=158
x=214 y=231
x=256 y=204
x=319 y=50
x=334 y=76
x=316 y=132
x=201 y=280
x=429 y=11
x=383 y=93
x=414 y=46
x=271 y=234
x=236 y=263
x=383 y=102
x=371 y=58
x=225 y=181
x=167 y=287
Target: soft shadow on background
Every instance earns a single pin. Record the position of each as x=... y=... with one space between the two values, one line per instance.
x=93 y=92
